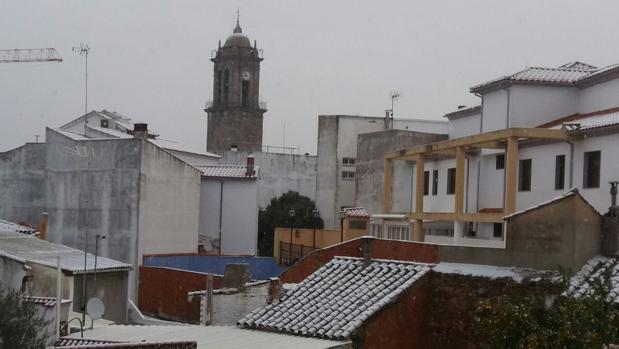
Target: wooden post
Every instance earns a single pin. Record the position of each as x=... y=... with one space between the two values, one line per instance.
x=511 y=175
x=419 y=183
x=388 y=189
x=459 y=204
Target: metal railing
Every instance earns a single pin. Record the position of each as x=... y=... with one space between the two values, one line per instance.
x=292 y=253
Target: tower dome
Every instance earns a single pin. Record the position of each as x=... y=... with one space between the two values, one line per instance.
x=237 y=39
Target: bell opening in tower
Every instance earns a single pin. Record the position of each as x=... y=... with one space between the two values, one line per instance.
x=245 y=93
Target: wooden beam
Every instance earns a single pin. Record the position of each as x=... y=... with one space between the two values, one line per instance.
x=464 y=217
x=511 y=175
x=459 y=199
x=388 y=189
x=483 y=140
x=419 y=184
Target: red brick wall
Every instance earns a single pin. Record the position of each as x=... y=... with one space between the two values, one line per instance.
x=163 y=293
x=380 y=249
x=399 y=325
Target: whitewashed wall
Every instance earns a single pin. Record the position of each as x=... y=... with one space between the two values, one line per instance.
x=600 y=96
x=494 y=110
x=530 y=106
x=465 y=126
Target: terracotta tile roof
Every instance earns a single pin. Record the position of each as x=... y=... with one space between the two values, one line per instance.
x=581 y=285
x=587 y=121
x=225 y=171
x=360 y=212
x=569 y=74
x=337 y=299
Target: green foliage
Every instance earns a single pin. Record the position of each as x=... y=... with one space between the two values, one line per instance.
x=532 y=322
x=276 y=215
x=20 y=324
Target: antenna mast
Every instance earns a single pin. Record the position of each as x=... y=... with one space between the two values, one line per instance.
x=83 y=50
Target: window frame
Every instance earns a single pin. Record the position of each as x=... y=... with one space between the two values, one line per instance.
x=586 y=175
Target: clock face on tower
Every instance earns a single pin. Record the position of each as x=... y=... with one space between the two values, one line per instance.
x=246 y=75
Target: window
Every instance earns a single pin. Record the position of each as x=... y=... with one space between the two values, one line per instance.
x=219 y=83
x=500 y=161
x=226 y=85
x=435 y=182
x=497 y=230
x=348 y=174
x=524 y=175
x=245 y=93
x=451 y=181
x=591 y=175
x=348 y=161
x=426 y=182
x=104 y=123
x=559 y=172
x=359 y=224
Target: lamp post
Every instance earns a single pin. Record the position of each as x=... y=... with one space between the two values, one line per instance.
x=291 y=214
x=342 y=216
x=315 y=215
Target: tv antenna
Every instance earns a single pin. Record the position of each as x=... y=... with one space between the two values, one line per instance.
x=83 y=50
x=394 y=95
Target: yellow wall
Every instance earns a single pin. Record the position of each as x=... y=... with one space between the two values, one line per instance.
x=324 y=237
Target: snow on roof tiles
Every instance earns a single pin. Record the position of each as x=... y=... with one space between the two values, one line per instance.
x=356 y=212
x=12 y=227
x=567 y=74
x=337 y=299
x=224 y=171
x=581 y=284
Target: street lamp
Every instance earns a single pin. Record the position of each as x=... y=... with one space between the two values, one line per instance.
x=291 y=214
x=342 y=216
x=315 y=216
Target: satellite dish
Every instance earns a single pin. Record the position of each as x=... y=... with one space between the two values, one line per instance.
x=95 y=308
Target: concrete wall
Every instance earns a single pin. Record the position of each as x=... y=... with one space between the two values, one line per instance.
x=327 y=169
x=12 y=273
x=465 y=126
x=278 y=173
x=22 y=183
x=564 y=234
x=111 y=287
x=599 y=97
x=530 y=106
x=169 y=203
x=228 y=308
x=238 y=213
x=371 y=148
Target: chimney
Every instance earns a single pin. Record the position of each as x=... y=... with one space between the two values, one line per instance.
x=275 y=290
x=366 y=248
x=250 y=166
x=43 y=226
x=236 y=275
x=140 y=130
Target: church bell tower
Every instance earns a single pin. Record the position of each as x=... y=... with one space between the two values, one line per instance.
x=235 y=113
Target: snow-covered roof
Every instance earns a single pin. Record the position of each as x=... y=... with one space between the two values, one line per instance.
x=581 y=284
x=72 y=135
x=568 y=74
x=359 y=212
x=45 y=301
x=571 y=192
x=206 y=337
x=338 y=298
x=584 y=122
x=35 y=250
x=488 y=271
x=13 y=227
x=225 y=171
x=176 y=146
x=110 y=132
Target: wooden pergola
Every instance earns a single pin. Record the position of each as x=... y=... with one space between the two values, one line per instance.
x=507 y=139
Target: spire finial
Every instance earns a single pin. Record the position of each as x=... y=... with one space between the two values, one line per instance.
x=237 y=29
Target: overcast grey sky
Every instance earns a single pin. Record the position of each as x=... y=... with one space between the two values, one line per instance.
x=150 y=59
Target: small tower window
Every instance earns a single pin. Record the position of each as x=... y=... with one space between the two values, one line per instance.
x=245 y=93
x=219 y=82
x=226 y=85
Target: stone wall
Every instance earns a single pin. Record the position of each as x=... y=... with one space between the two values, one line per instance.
x=230 y=307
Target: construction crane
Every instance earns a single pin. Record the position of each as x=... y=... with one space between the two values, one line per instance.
x=30 y=55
